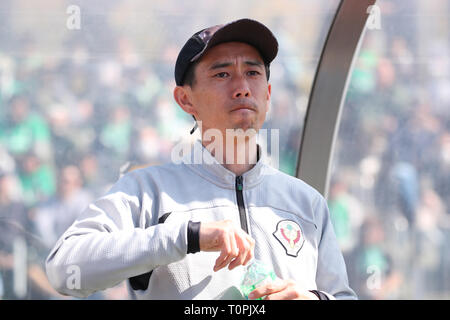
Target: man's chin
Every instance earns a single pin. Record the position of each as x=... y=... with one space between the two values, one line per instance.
x=246 y=130
x=245 y=125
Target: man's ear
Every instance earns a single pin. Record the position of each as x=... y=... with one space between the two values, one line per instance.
x=182 y=96
x=269 y=94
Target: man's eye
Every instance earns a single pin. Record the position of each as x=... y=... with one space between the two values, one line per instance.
x=221 y=75
x=254 y=73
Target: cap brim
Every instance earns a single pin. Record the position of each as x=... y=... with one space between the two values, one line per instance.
x=248 y=31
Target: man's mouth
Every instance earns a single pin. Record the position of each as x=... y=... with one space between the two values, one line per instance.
x=243 y=107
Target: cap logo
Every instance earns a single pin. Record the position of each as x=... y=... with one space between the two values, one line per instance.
x=206 y=34
x=290 y=235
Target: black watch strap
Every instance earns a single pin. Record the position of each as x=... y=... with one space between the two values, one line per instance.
x=193 y=237
x=320 y=295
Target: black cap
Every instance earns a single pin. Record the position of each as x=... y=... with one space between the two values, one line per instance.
x=249 y=31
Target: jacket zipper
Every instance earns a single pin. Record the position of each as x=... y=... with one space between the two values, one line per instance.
x=240 y=203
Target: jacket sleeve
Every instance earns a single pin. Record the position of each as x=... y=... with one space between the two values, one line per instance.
x=104 y=247
x=331 y=276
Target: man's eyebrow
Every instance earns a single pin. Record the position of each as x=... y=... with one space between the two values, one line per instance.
x=254 y=63
x=219 y=65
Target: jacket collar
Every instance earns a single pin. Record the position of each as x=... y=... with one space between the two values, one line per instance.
x=205 y=164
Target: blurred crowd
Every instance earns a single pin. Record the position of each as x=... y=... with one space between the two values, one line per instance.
x=390 y=190
x=72 y=123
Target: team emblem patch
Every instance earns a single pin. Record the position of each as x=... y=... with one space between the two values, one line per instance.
x=290 y=235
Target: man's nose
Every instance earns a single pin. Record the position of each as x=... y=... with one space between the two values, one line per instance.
x=242 y=88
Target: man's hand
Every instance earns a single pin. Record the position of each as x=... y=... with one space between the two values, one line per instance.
x=235 y=245
x=282 y=290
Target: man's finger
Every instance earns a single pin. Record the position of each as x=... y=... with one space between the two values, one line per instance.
x=228 y=254
x=226 y=247
x=245 y=250
x=267 y=289
x=282 y=295
x=240 y=257
x=250 y=255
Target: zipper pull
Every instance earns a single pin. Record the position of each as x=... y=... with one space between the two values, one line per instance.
x=239 y=185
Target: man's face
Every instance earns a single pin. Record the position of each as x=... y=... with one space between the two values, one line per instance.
x=231 y=89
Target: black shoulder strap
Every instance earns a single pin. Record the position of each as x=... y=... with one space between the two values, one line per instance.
x=141 y=281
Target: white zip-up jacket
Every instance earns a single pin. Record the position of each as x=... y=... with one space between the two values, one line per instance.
x=138 y=232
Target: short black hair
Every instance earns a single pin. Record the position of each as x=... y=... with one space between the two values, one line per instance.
x=189 y=77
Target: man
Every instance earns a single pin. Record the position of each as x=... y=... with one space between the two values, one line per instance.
x=184 y=231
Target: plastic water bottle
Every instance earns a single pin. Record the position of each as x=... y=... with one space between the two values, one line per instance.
x=257 y=274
